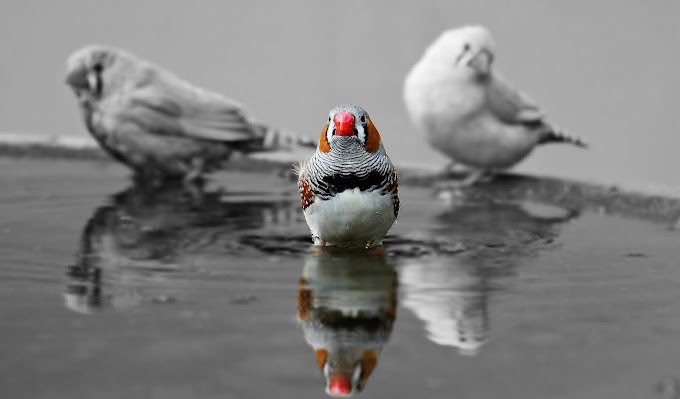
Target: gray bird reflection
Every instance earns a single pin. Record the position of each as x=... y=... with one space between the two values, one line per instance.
x=144 y=234
x=346 y=308
x=450 y=294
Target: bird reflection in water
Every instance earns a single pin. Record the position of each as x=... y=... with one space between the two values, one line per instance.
x=450 y=294
x=346 y=308
x=144 y=233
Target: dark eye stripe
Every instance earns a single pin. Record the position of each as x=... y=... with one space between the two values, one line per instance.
x=99 y=84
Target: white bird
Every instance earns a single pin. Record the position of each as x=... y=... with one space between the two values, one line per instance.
x=468 y=111
x=158 y=124
x=349 y=188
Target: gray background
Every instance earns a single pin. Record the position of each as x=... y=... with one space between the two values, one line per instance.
x=605 y=70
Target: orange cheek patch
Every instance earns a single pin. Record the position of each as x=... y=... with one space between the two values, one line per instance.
x=323 y=141
x=372 y=137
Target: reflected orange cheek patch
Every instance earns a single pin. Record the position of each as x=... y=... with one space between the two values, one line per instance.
x=323 y=141
x=321 y=356
x=372 y=137
x=369 y=360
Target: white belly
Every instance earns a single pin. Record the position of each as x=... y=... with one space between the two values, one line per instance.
x=351 y=218
x=483 y=142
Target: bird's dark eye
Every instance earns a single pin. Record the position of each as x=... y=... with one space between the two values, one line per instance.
x=466 y=47
x=96 y=88
x=363 y=119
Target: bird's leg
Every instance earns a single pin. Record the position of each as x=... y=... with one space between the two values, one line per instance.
x=195 y=190
x=453 y=185
x=195 y=170
x=479 y=175
x=486 y=176
x=318 y=241
x=448 y=169
x=148 y=179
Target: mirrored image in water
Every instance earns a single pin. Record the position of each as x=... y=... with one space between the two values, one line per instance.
x=143 y=233
x=347 y=306
x=347 y=300
x=450 y=294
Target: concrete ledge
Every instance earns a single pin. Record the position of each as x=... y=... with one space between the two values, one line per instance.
x=86 y=148
x=577 y=196
x=658 y=205
x=40 y=146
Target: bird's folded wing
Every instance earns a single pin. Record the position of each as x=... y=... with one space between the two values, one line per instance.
x=175 y=114
x=510 y=105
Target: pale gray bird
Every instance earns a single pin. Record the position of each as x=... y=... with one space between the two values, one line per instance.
x=349 y=187
x=468 y=111
x=158 y=124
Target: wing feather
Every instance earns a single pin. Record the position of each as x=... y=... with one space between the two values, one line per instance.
x=511 y=105
x=175 y=108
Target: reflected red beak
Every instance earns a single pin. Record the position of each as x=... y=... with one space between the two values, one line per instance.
x=339 y=384
x=344 y=124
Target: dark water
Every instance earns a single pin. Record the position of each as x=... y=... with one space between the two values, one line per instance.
x=110 y=290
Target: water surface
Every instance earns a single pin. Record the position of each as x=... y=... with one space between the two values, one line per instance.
x=113 y=290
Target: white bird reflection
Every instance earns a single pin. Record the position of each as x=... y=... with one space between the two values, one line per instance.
x=450 y=294
x=451 y=300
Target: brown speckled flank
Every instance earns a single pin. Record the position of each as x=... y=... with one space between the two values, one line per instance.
x=306 y=194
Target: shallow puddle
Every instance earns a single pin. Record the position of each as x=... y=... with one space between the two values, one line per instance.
x=111 y=290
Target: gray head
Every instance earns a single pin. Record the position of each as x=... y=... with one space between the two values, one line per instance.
x=96 y=70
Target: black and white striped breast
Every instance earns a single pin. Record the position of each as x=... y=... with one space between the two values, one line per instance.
x=348 y=166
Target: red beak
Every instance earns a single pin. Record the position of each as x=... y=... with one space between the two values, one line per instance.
x=344 y=124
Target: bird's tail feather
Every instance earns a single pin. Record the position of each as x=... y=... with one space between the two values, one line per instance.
x=557 y=135
x=273 y=139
